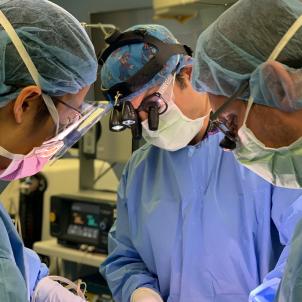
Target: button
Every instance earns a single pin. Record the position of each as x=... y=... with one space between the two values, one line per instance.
x=103 y=225
x=52 y=216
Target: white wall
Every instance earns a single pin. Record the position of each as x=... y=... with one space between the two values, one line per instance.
x=82 y=9
x=187 y=32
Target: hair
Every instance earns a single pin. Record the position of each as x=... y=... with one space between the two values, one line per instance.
x=180 y=79
x=42 y=114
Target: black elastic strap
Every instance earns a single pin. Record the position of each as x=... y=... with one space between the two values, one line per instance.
x=150 y=69
x=117 y=40
x=154 y=66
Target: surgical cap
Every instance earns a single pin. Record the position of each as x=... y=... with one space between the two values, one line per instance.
x=128 y=60
x=235 y=47
x=57 y=44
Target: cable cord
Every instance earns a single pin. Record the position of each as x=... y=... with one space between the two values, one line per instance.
x=104 y=172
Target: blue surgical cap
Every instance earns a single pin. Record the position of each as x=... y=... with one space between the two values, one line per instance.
x=57 y=44
x=128 y=60
x=235 y=47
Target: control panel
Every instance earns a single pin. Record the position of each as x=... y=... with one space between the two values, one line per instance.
x=82 y=222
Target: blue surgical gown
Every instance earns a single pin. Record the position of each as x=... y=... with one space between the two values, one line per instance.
x=291 y=285
x=196 y=226
x=20 y=268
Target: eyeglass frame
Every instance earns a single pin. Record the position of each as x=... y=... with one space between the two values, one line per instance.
x=215 y=122
x=119 y=105
x=78 y=115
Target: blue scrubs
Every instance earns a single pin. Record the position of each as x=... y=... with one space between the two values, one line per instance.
x=197 y=226
x=291 y=286
x=20 y=268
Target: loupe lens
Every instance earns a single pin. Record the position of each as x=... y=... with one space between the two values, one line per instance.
x=153 y=118
x=115 y=120
x=227 y=143
x=129 y=116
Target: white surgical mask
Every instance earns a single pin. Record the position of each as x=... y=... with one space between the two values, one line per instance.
x=279 y=166
x=175 y=130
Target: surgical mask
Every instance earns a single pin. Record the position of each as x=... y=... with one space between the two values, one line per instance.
x=279 y=166
x=52 y=149
x=26 y=165
x=175 y=130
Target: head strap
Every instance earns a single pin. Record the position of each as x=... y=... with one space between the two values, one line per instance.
x=150 y=69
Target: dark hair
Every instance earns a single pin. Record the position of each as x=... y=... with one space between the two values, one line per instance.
x=42 y=113
x=180 y=79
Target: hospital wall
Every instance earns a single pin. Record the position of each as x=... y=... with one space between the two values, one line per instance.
x=186 y=32
x=82 y=9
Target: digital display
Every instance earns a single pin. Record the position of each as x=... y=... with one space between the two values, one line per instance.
x=91 y=221
x=84 y=220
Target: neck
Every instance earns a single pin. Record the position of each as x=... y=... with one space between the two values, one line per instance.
x=201 y=134
x=202 y=108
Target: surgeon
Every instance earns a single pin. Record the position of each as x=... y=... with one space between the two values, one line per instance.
x=192 y=223
x=249 y=61
x=47 y=65
x=257 y=68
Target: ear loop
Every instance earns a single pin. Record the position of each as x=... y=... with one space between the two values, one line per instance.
x=275 y=53
x=30 y=66
x=248 y=109
x=168 y=84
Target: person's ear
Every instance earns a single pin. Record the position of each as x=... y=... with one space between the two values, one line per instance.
x=23 y=101
x=282 y=84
